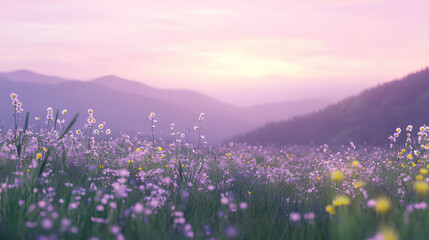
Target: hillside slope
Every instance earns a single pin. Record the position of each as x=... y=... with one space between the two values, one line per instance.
x=369 y=117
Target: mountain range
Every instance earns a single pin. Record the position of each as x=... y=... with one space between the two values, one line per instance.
x=125 y=105
x=370 y=117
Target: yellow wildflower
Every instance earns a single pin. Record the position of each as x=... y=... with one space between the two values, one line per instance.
x=359 y=184
x=160 y=149
x=421 y=187
x=138 y=149
x=382 y=205
x=337 y=176
x=341 y=201
x=330 y=209
x=419 y=177
x=423 y=171
x=356 y=163
x=389 y=234
x=38 y=156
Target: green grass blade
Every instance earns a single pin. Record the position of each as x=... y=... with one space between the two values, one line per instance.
x=69 y=126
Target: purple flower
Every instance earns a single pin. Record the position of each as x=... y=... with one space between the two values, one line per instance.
x=243 y=205
x=309 y=216
x=295 y=217
x=47 y=223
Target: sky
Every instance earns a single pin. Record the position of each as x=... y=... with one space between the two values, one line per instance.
x=241 y=52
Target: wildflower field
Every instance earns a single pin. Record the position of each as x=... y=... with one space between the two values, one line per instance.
x=61 y=181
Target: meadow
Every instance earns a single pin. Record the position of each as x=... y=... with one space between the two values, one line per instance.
x=60 y=181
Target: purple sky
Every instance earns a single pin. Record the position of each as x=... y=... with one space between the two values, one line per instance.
x=242 y=52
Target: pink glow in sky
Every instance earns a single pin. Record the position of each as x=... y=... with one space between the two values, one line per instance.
x=242 y=52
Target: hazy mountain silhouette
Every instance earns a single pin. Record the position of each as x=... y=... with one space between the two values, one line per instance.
x=184 y=98
x=32 y=77
x=370 y=117
x=197 y=102
x=283 y=110
x=125 y=105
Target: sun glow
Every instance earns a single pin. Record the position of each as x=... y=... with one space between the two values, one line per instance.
x=239 y=64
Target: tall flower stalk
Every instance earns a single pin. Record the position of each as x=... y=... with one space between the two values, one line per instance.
x=200 y=124
x=152 y=121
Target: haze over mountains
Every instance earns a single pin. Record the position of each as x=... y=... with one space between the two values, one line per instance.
x=125 y=105
x=370 y=117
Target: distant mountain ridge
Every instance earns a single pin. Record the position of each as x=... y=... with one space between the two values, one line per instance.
x=370 y=117
x=184 y=98
x=32 y=77
x=125 y=104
